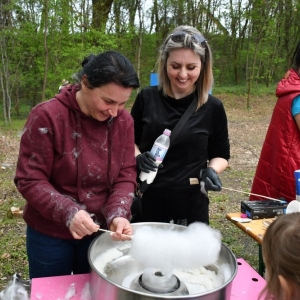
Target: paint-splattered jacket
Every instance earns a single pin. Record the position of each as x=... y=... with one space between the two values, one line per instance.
x=68 y=162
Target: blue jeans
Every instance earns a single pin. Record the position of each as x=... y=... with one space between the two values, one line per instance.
x=49 y=256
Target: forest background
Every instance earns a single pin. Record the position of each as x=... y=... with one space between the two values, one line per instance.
x=44 y=41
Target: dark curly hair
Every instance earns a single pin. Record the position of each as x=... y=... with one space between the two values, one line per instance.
x=108 y=67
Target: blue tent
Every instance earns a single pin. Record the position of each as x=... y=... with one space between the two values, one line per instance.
x=153 y=79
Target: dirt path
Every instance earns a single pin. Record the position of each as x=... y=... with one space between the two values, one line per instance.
x=247 y=130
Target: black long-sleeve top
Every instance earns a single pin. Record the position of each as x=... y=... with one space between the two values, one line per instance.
x=203 y=137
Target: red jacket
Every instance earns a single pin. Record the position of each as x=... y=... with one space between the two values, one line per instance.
x=280 y=154
x=69 y=162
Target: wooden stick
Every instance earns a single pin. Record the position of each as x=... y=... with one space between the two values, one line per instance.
x=111 y=232
x=229 y=189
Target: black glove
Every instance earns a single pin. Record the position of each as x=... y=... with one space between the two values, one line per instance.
x=209 y=180
x=146 y=162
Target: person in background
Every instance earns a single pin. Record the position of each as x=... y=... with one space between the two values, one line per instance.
x=281 y=248
x=65 y=83
x=280 y=154
x=201 y=150
x=76 y=167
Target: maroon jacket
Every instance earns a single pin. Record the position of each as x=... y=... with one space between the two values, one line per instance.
x=280 y=155
x=68 y=162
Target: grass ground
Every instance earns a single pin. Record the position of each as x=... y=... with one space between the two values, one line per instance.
x=247 y=128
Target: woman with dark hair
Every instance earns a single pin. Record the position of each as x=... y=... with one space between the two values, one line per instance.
x=280 y=154
x=201 y=149
x=76 y=166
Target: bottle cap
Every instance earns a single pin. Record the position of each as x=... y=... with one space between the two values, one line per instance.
x=167 y=132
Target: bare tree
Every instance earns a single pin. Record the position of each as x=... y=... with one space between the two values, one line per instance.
x=140 y=40
x=45 y=14
x=4 y=70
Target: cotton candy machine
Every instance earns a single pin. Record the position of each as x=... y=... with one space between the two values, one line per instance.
x=116 y=275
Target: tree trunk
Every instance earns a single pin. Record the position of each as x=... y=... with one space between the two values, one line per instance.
x=4 y=66
x=139 y=7
x=45 y=49
x=101 y=9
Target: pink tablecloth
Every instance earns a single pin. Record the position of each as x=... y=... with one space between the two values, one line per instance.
x=246 y=286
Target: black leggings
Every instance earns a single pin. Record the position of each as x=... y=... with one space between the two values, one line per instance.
x=181 y=207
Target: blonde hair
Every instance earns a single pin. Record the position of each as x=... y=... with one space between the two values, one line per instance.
x=281 y=252
x=205 y=80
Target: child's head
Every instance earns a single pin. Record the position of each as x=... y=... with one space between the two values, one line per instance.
x=281 y=252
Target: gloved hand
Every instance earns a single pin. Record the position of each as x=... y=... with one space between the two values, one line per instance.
x=209 y=180
x=146 y=162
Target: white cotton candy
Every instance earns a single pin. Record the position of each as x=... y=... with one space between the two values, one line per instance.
x=201 y=278
x=14 y=290
x=85 y=294
x=43 y=130
x=166 y=249
x=106 y=257
x=71 y=292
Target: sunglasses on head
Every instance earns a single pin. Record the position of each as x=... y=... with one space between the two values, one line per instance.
x=179 y=36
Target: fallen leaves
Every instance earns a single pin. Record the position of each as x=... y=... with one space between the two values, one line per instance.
x=16 y=211
x=5 y=256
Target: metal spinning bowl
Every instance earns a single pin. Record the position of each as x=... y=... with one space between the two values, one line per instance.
x=124 y=278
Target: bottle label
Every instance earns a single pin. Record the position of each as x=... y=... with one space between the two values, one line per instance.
x=159 y=151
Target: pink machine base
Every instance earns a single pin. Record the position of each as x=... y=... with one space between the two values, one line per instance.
x=247 y=285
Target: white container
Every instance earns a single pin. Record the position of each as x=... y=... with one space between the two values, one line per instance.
x=293 y=206
x=159 y=150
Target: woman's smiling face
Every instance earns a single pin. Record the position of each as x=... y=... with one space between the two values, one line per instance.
x=103 y=102
x=183 y=69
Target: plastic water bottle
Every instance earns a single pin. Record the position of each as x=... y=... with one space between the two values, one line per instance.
x=159 y=150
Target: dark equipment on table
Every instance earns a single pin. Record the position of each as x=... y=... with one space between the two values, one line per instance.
x=263 y=209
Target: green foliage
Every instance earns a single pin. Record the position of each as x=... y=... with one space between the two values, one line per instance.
x=16 y=125
x=260 y=89
x=12 y=235
x=251 y=47
x=240 y=244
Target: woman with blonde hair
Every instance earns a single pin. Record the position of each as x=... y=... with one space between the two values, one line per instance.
x=200 y=150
